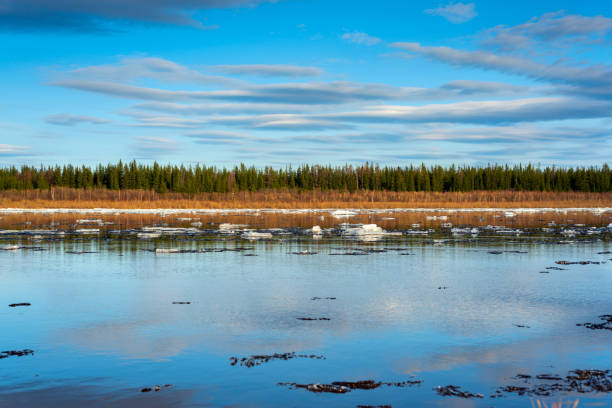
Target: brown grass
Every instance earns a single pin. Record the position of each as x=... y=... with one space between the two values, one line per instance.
x=100 y=198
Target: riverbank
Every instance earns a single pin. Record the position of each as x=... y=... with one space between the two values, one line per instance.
x=140 y=199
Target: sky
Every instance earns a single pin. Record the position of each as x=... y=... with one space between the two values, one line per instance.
x=289 y=82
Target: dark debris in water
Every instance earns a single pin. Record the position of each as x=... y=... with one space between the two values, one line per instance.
x=577 y=263
x=548 y=377
x=181 y=303
x=581 y=381
x=264 y=358
x=342 y=387
x=312 y=318
x=374 y=406
x=18 y=353
x=496 y=252
x=455 y=391
x=20 y=304
x=555 y=268
x=156 y=388
x=522 y=326
x=323 y=298
x=606 y=325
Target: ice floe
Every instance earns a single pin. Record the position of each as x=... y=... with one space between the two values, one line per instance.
x=342 y=213
x=251 y=235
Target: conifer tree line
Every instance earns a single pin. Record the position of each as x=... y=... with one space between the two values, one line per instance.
x=203 y=179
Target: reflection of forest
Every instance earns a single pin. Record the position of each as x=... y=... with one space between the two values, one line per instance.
x=388 y=220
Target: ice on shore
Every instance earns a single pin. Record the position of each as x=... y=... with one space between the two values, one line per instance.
x=90 y=221
x=436 y=217
x=167 y=250
x=87 y=231
x=417 y=232
x=227 y=228
x=10 y=247
x=251 y=235
x=169 y=230
x=460 y=231
x=342 y=213
x=365 y=232
x=148 y=235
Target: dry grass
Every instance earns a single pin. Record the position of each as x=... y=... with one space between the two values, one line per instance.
x=96 y=198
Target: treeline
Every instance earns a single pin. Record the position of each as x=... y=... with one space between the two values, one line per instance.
x=203 y=179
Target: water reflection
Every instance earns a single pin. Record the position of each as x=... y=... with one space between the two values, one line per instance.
x=103 y=324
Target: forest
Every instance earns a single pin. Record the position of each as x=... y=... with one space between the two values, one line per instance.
x=367 y=177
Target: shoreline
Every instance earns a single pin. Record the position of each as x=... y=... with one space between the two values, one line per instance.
x=338 y=211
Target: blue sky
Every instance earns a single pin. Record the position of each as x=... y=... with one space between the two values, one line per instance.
x=305 y=81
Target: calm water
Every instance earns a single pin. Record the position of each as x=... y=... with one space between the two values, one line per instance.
x=103 y=325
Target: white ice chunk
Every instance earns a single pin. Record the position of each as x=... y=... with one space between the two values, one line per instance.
x=166 y=250
x=256 y=235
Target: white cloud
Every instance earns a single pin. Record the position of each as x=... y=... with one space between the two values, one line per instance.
x=128 y=69
x=10 y=150
x=151 y=147
x=595 y=79
x=455 y=12
x=557 y=28
x=485 y=112
x=268 y=70
x=66 y=119
x=360 y=38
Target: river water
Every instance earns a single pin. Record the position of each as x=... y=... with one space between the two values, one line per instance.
x=467 y=310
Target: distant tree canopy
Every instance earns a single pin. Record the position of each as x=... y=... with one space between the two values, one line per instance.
x=203 y=179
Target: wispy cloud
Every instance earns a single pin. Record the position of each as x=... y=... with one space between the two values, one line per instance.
x=152 y=147
x=557 y=28
x=288 y=93
x=486 y=112
x=132 y=68
x=309 y=93
x=220 y=136
x=222 y=108
x=82 y=15
x=66 y=119
x=268 y=70
x=13 y=150
x=595 y=79
x=455 y=12
x=358 y=37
